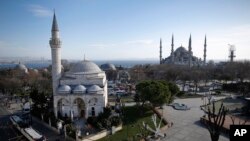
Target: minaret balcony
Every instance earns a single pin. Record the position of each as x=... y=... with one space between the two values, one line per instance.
x=55 y=42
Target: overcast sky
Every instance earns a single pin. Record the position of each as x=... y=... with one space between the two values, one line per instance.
x=124 y=29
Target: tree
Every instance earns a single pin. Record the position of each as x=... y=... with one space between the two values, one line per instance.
x=156 y=92
x=215 y=121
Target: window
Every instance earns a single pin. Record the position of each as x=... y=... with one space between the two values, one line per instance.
x=93 y=111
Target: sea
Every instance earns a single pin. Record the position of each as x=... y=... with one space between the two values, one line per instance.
x=122 y=63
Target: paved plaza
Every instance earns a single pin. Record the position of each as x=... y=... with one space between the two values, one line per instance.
x=186 y=124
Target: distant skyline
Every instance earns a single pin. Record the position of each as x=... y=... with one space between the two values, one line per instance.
x=124 y=29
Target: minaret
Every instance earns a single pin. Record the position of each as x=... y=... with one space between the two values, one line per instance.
x=55 y=45
x=190 y=52
x=160 y=52
x=205 y=50
x=172 y=50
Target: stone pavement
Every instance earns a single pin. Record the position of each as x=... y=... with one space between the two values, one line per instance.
x=186 y=124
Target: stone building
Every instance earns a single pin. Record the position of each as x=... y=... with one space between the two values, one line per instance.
x=79 y=92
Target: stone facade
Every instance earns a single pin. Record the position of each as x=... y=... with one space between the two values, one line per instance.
x=80 y=92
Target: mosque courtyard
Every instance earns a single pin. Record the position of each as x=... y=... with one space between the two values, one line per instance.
x=186 y=124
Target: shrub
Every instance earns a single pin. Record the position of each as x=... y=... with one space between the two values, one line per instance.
x=217 y=92
x=92 y=121
x=115 y=121
x=70 y=131
x=180 y=93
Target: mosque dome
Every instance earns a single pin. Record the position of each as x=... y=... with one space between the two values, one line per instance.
x=85 y=67
x=35 y=71
x=79 y=89
x=108 y=66
x=181 y=49
x=21 y=67
x=94 y=89
x=45 y=70
x=64 y=89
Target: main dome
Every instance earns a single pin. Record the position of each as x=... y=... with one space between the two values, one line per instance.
x=181 y=49
x=85 y=67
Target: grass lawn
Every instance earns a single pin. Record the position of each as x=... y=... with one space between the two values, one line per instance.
x=127 y=99
x=131 y=124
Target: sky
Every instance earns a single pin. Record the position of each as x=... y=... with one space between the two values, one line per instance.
x=124 y=29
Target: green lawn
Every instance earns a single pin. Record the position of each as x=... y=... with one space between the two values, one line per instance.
x=131 y=124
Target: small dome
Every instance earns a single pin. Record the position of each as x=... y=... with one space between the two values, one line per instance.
x=35 y=70
x=85 y=67
x=45 y=70
x=108 y=66
x=64 y=89
x=21 y=67
x=79 y=89
x=94 y=89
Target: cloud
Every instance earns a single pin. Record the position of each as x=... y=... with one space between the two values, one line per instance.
x=39 y=11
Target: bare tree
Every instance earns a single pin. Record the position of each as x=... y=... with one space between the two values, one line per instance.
x=215 y=121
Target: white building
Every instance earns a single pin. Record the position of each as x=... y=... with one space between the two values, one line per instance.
x=80 y=92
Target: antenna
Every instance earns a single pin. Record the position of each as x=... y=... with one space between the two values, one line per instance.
x=231 y=52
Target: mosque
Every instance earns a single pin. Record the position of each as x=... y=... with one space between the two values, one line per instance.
x=79 y=92
x=182 y=56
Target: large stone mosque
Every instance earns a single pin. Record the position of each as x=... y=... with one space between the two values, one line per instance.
x=182 y=56
x=79 y=92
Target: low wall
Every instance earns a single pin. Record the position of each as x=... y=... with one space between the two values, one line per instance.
x=100 y=135
x=159 y=114
x=165 y=121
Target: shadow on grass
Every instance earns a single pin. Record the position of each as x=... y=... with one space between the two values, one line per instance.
x=133 y=114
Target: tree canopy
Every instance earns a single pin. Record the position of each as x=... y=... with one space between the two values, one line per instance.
x=156 y=92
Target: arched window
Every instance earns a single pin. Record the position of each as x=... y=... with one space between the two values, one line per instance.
x=93 y=111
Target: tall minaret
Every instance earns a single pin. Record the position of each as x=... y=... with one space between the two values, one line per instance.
x=160 y=52
x=190 y=52
x=172 y=50
x=205 y=50
x=55 y=45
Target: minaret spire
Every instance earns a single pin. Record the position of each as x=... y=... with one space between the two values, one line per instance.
x=190 y=51
x=160 y=51
x=205 y=50
x=172 y=49
x=54 y=24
